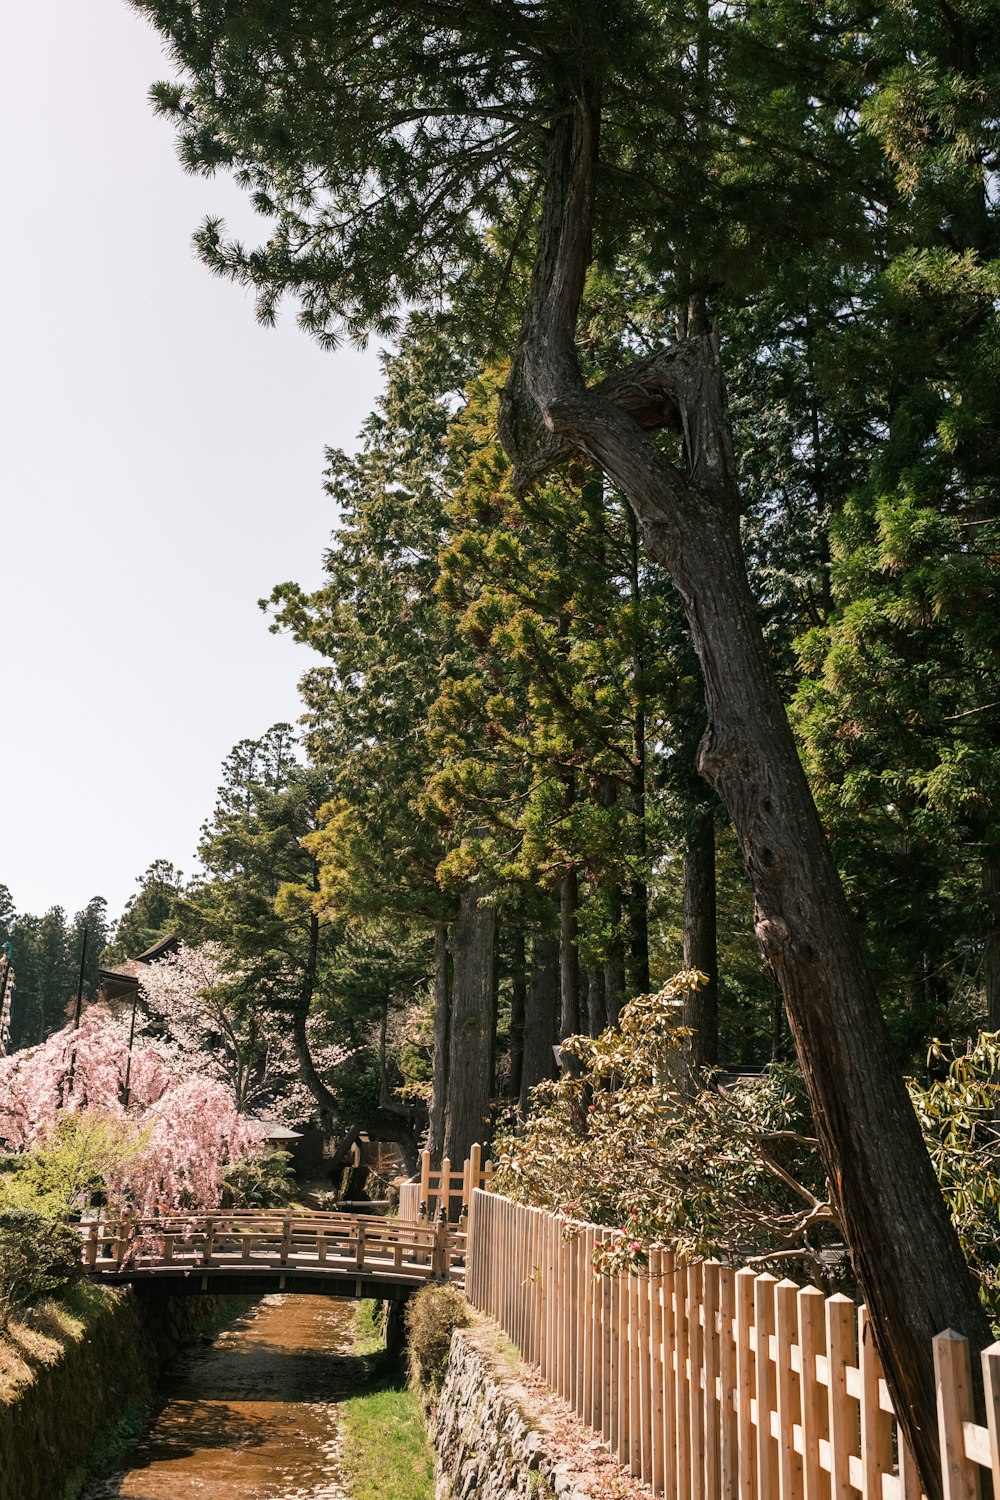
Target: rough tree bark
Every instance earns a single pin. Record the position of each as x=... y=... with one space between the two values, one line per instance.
x=541 y=1016
x=473 y=1026
x=569 y=956
x=905 y=1251
x=442 y=1032
x=638 y=897
x=597 y=1010
x=991 y=947
x=614 y=966
x=518 y=998
x=701 y=1006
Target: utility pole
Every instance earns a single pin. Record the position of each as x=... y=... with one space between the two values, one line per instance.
x=5 y=977
x=76 y=1016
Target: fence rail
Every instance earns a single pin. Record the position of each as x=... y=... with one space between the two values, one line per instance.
x=716 y=1384
x=429 y=1191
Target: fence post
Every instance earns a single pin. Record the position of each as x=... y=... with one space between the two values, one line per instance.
x=954 y=1405
x=711 y=1363
x=728 y=1435
x=763 y=1309
x=656 y=1353
x=444 y=1187
x=991 y=1391
x=839 y=1357
x=439 y=1257
x=683 y=1365
x=876 y=1431
x=812 y=1345
x=746 y=1457
x=425 y=1182
x=787 y=1404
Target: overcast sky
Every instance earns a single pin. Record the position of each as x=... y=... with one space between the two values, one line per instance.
x=161 y=466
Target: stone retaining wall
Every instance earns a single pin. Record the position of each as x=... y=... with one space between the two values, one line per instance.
x=48 y=1430
x=486 y=1444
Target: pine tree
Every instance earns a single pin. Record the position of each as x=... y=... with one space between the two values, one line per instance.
x=384 y=142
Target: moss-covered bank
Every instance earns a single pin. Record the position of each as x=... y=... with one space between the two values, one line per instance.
x=72 y=1374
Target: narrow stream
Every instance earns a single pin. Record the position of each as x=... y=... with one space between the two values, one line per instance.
x=253 y=1416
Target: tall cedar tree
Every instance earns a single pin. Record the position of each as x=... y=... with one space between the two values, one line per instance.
x=385 y=141
x=386 y=649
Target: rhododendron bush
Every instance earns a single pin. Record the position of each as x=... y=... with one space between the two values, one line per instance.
x=180 y=1131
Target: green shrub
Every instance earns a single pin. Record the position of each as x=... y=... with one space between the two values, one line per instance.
x=259 y=1181
x=431 y=1318
x=37 y=1258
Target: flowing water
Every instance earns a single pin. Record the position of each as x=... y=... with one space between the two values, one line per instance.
x=253 y=1416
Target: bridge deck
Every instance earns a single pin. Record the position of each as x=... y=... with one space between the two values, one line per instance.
x=296 y=1249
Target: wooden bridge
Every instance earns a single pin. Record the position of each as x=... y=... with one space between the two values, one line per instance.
x=337 y=1254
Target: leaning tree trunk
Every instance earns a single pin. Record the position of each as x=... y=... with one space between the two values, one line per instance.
x=904 y=1248
x=473 y=1025
x=327 y=1101
x=701 y=1006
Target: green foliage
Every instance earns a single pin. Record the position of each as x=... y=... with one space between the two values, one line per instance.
x=631 y=1138
x=46 y=964
x=957 y=1110
x=68 y=1168
x=432 y=1315
x=258 y=1181
x=38 y=1257
x=149 y=914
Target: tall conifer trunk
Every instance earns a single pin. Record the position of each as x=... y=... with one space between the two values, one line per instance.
x=905 y=1251
x=991 y=947
x=473 y=1026
x=541 y=1015
x=518 y=998
x=442 y=1033
x=569 y=956
x=638 y=895
x=701 y=1006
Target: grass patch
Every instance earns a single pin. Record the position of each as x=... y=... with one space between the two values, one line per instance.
x=38 y=1335
x=386 y=1455
x=506 y=1349
x=368 y=1335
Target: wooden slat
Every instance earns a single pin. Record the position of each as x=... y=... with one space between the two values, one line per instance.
x=991 y=1392
x=953 y=1375
x=813 y=1410
x=696 y=1369
x=745 y=1387
x=711 y=1359
x=728 y=1438
x=840 y=1324
x=876 y=1427
x=765 y=1384
x=787 y=1399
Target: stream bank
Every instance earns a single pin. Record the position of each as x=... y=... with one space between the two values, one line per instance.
x=73 y=1373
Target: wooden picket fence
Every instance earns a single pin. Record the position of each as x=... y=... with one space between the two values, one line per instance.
x=429 y=1191
x=716 y=1384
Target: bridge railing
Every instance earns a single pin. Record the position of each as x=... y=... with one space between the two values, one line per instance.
x=716 y=1384
x=247 y=1240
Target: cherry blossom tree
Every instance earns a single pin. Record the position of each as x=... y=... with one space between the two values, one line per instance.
x=205 y=1004
x=183 y=1122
